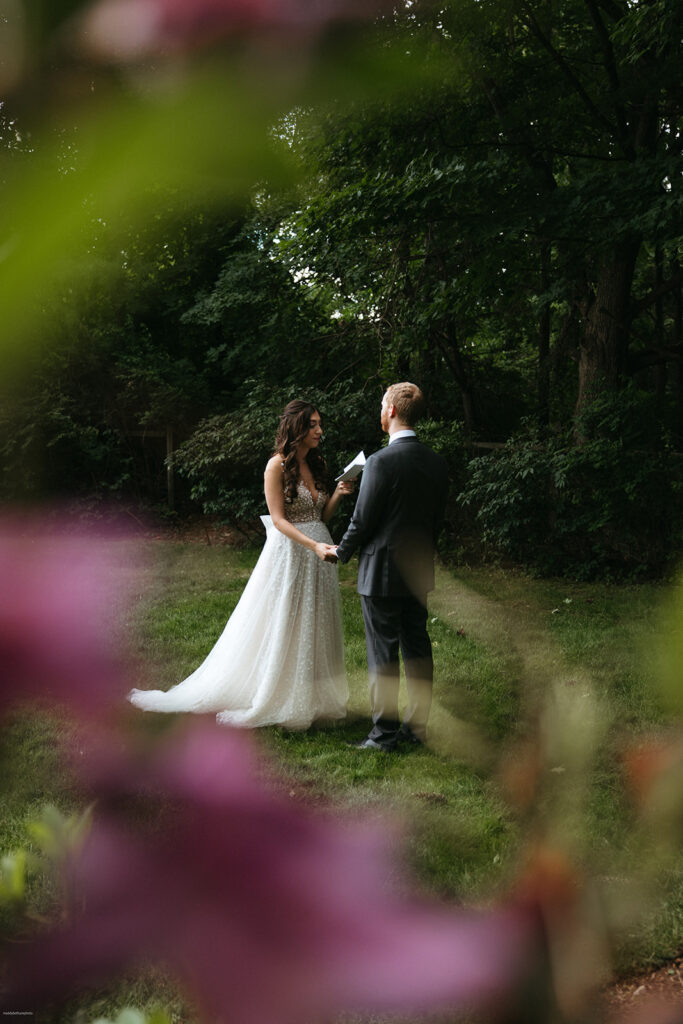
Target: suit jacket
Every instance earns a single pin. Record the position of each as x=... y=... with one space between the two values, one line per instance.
x=397 y=519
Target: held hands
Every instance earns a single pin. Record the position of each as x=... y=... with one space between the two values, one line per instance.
x=326 y=552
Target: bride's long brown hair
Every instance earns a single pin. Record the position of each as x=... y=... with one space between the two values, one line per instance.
x=294 y=425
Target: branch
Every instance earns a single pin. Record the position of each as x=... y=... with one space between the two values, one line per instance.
x=393 y=261
x=497 y=144
x=663 y=289
x=612 y=74
x=615 y=11
x=567 y=72
x=527 y=147
x=452 y=357
x=654 y=357
x=344 y=369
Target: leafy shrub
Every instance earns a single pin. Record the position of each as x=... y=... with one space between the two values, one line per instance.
x=448 y=439
x=604 y=506
x=225 y=457
x=47 y=448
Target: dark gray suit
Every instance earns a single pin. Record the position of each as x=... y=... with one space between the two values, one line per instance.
x=394 y=528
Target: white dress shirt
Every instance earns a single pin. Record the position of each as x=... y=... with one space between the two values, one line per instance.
x=401 y=433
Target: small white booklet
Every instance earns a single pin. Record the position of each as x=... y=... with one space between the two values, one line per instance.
x=354 y=468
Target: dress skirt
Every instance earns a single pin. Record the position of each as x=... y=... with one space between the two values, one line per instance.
x=280 y=658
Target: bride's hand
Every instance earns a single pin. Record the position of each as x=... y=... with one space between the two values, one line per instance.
x=346 y=486
x=325 y=552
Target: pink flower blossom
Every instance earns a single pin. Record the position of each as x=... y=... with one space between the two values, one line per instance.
x=129 y=29
x=60 y=598
x=265 y=912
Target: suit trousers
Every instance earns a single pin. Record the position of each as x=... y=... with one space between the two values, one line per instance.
x=393 y=624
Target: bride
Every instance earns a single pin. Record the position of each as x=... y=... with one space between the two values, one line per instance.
x=280 y=658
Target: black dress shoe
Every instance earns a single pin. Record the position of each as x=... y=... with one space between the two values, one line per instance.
x=370 y=744
x=406 y=735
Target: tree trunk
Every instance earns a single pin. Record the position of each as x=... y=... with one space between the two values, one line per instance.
x=544 y=343
x=447 y=344
x=660 y=340
x=603 y=347
x=678 y=340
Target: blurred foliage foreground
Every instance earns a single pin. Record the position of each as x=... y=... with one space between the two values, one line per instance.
x=192 y=856
x=267 y=911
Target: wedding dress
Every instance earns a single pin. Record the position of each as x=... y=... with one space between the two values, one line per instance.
x=280 y=658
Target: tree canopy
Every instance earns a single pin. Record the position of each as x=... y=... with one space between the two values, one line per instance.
x=530 y=201
x=504 y=226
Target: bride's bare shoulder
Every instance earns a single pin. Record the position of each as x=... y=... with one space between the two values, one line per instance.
x=274 y=465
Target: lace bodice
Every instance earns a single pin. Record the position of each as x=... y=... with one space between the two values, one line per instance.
x=303 y=509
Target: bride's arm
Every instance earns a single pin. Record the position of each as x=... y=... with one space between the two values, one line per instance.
x=342 y=488
x=275 y=500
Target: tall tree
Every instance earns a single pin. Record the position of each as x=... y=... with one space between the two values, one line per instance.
x=521 y=199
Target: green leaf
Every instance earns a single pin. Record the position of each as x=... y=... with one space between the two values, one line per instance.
x=13 y=876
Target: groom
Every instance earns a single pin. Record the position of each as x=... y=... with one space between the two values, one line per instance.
x=394 y=527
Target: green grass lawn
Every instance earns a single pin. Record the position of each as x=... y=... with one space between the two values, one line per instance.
x=508 y=650
x=564 y=670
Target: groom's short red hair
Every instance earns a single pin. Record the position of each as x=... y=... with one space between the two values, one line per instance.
x=408 y=401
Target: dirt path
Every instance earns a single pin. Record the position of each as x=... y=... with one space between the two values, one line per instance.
x=636 y=998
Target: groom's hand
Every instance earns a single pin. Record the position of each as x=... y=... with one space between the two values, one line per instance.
x=331 y=555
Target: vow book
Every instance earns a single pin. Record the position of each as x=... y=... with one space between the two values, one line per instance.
x=354 y=468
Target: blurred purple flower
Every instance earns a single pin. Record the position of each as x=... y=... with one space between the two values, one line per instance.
x=266 y=913
x=59 y=598
x=129 y=29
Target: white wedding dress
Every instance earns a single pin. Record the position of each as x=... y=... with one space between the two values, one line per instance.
x=280 y=658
